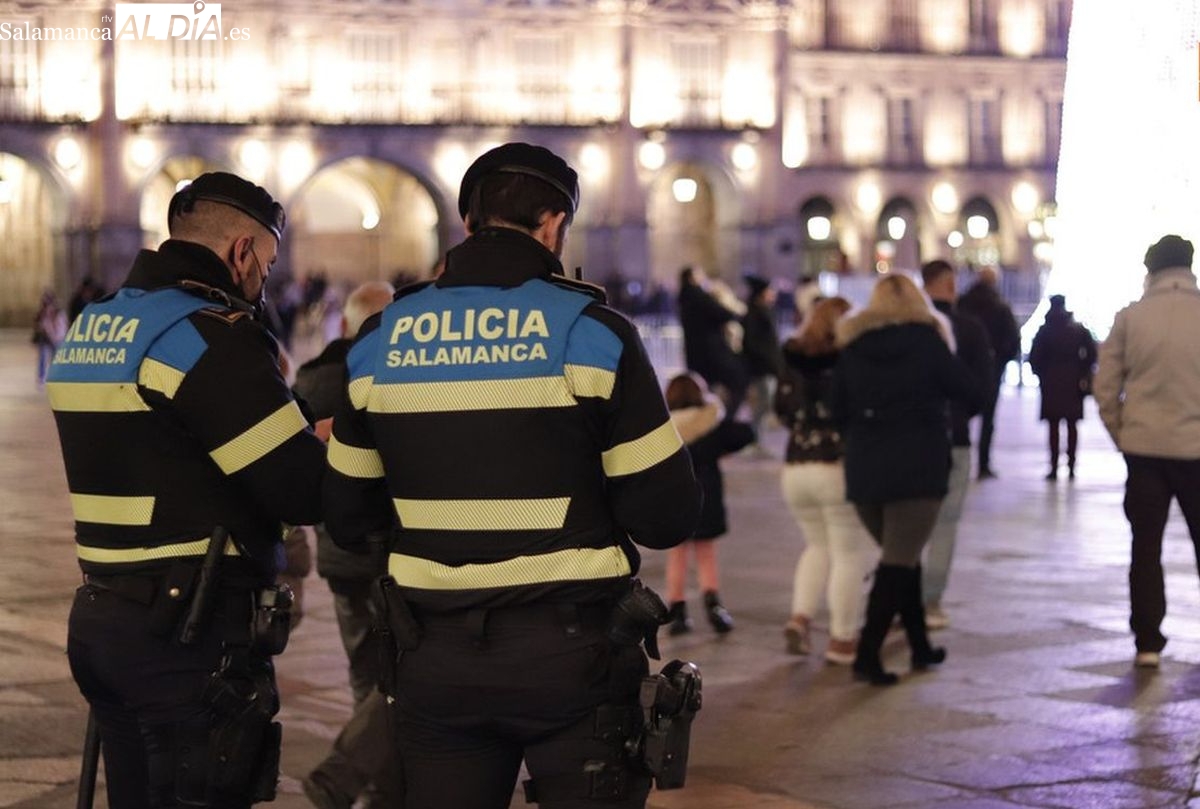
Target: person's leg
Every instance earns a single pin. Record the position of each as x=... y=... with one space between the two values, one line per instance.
x=882 y=605
x=871 y=516
x=352 y=608
x=1072 y=446
x=1185 y=485
x=852 y=555
x=676 y=574
x=1052 y=426
x=707 y=574
x=987 y=426
x=908 y=526
x=940 y=551
x=1147 y=503
x=812 y=568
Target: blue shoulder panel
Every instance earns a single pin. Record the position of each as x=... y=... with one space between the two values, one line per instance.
x=594 y=344
x=456 y=334
x=108 y=340
x=360 y=361
x=180 y=347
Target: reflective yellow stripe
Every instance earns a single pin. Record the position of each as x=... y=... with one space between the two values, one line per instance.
x=159 y=376
x=95 y=397
x=112 y=510
x=584 y=380
x=360 y=389
x=573 y=564
x=483 y=515
x=355 y=462
x=260 y=439
x=479 y=394
x=116 y=555
x=642 y=453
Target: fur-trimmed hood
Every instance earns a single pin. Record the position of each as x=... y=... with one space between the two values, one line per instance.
x=693 y=423
x=851 y=327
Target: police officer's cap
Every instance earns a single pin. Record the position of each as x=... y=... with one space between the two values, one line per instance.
x=521 y=158
x=229 y=189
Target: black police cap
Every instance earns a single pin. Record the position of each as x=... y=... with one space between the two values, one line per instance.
x=229 y=189
x=521 y=158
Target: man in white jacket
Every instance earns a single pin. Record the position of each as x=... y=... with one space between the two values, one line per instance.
x=1147 y=386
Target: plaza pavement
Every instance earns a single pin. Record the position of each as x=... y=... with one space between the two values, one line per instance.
x=1037 y=705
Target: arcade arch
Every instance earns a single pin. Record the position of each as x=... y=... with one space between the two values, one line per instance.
x=32 y=216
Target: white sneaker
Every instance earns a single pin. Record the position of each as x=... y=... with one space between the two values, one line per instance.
x=1147 y=660
x=935 y=617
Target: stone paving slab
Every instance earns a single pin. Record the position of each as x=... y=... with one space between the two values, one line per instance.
x=1037 y=706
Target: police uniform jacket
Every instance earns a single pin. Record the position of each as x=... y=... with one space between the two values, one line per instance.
x=174 y=419
x=511 y=428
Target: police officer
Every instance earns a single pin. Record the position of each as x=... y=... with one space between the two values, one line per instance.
x=510 y=427
x=178 y=433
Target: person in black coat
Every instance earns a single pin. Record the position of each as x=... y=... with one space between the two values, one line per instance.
x=760 y=347
x=1063 y=356
x=984 y=302
x=700 y=420
x=706 y=348
x=361 y=761
x=893 y=381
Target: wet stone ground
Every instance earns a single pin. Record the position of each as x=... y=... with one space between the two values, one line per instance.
x=1037 y=706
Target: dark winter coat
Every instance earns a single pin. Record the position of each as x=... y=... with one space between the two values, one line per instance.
x=891 y=387
x=803 y=402
x=705 y=348
x=975 y=350
x=760 y=341
x=984 y=302
x=709 y=437
x=319 y=383
x=1063 y=356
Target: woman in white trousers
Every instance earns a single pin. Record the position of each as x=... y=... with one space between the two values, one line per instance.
x=838 y=554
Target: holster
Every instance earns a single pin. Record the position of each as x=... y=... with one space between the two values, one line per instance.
x=669 y=701
x=396 y=629
x=272 y=622
x=244 y=744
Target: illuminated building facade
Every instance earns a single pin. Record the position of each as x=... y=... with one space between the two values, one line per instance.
x=775 y=136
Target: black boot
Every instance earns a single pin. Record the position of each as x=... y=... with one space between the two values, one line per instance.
x=680 y=623
x=912 y=615
x=718 y=616
x=882 y=605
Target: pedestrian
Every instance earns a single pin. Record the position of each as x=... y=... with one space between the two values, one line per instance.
x=88 y=290
x=706 y=342
x=701 y=422
x=974 y=349
x=1147 y=388
x=892 y=383
x=49 y=329
x=838 y=554
x=181 y=439
x=510 y=429
x=984 y=302
x=361 y=761
x=1063 y=356
x=760 y=350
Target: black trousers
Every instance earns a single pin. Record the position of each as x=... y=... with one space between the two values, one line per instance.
x=1149 y=489
x=987 y=420
x=145 y=691
x=484 y=691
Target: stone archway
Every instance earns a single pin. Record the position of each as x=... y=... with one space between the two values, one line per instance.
x=682 y=217
x=32 y=213
x=361 y=219
x=156 y=196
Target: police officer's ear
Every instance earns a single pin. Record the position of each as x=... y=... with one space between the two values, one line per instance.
x=552 y=231
x=241 y=256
